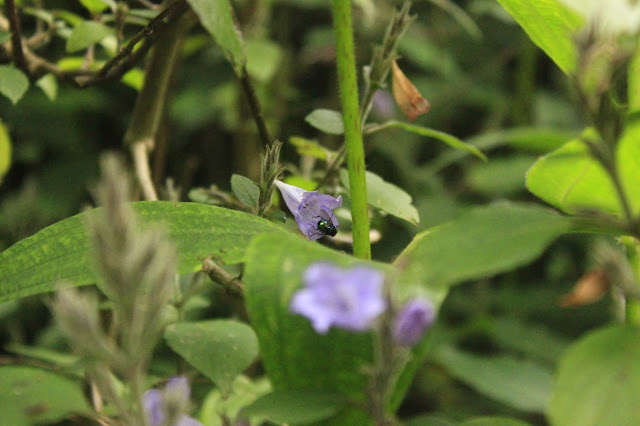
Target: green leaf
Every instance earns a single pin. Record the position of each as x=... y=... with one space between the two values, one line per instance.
x=5 y=151
x=263 y=59
x=571 y=180
x=295 y=406
x=430 y=420
x=598 y=380
x=628 y=162
x=243 y=392
x=326 y=120
x=49 y=85
x=310 y=148
x=219 y=349
x=86 y=34
x=480 y=243
x=94 y=6
x=634 y=81
x=134 y=78
x=334 y=362
x=550 y=25
x=218 y=18
x=386 y=197
x=518 y=383
x=13 y=83
x=31 y=396
x=446 y=138
x=245 y=190
x=61 y=252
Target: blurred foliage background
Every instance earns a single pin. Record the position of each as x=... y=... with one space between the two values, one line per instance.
x=487 y=84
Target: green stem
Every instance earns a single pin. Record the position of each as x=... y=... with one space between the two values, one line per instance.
x=348 y=83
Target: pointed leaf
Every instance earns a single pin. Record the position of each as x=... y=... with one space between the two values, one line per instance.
x=550 y=25
x=86 y=34
x=218 y=18
x=13 y=83
x=295 y=406
x=61 y=252
x=220 y=349
x=326 y=120
x=245 y=190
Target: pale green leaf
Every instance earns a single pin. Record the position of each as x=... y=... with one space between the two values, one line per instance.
x=550 y=25
x=501 y=176
x=598 y=380
x=218 y=18
x=310 y=148
x=30 y=395
x=86 y=34
x=296 y=406
x=13 y=83
x=518 y=383
x=95 y=6
x=480 y=243
x=628 y=159
x=134 y=78
x=243 y=392
x=326 y=120
x=245 y=190
x=61 y=252
x=571 y=180
x=49 y=85
x=5 y=151
x=263 y=59
x=386 y=197
x=219 y=349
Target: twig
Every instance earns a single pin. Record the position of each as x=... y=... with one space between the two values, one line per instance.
x=232 y=285
x=16 y=35
x=140 y=154
x=256 y=109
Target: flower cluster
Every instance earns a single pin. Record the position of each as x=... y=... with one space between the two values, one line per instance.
x=164 y=407
x=313 y=211
x=352 y=299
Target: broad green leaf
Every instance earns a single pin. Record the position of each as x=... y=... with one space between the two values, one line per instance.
x=95 y=6
x=86 y=34
x=263 y=59
x=480 y=243
x=13 y=83
x=571 y=180
x=518 y=383
x=598 y=380
x=494 y=421
x=245 y=190
x=134 y=78
x=218 y=18
x=326 y=120
x=628 y=159
x=219 y=349
x=61 y=252
x=296 y=406
x=446 y=138
x=550 y=25
x=49 y=86
x=527 y=338
x=386 y=197
x=243 y=392
x=334 y=362
x=30 y=395
x=501 y=176
x=5 y=151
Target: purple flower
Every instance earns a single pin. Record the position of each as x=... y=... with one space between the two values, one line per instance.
x=412 y=321
x=313 y=211
x=350 y=299
x=175 y=395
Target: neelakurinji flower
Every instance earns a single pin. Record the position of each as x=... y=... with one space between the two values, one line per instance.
x=350 y=299
x=175 y=397
x=313 y=211
x=409 y=325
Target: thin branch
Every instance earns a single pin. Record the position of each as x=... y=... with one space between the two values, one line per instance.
x=256 y=109
x=16 y=35
x=232 y=285
x=140 y=154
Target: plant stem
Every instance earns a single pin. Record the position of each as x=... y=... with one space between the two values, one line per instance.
x=348 y=83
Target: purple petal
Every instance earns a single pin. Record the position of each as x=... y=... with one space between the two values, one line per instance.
x=292 y=195
x=185 y=420
x=154 y=407
x=413 y=320
x=178 y=389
